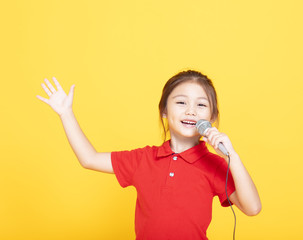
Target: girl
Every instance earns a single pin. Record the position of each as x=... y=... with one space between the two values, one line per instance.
x=175 y=182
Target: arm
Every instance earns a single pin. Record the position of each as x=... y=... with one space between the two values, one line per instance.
x=246 y=196
x=62 y=104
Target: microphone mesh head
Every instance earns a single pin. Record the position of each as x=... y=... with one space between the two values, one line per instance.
x=202 y=125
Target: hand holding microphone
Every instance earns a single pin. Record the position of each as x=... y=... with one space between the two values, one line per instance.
x=203 y=126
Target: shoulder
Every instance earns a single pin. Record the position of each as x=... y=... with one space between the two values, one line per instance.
x=126 y=163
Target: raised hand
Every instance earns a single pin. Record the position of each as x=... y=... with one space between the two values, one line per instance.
x=58 y=100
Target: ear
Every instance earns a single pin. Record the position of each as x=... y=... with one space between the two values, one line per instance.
x=164 y=114
x=212 y=120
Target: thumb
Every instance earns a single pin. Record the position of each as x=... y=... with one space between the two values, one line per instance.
x=70 y=95
x=71 y=91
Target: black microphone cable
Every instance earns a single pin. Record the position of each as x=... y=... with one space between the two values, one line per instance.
x=234 y=234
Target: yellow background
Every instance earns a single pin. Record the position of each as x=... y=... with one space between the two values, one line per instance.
x=119 y=54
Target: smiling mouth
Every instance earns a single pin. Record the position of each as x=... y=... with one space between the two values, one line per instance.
x=192 y=123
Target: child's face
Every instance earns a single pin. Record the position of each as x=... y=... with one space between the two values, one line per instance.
x=186 y=104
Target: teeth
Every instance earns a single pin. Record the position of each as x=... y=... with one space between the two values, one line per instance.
x=189 y=122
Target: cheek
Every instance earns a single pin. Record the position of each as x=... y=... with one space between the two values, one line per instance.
x=205 y=114
x=172 y=111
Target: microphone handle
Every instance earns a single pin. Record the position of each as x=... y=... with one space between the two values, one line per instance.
x=223 y=149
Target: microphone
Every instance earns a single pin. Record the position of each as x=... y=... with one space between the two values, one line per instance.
x=202 y=127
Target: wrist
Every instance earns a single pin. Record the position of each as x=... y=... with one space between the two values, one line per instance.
x=232 y=155
x=67 y=113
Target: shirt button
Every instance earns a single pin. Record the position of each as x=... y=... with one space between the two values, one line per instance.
x=171 y=174
x=175 y=157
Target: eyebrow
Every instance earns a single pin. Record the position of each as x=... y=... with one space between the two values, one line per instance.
x=181 y=95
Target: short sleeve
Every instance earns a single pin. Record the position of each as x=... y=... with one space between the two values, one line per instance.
x=125 y=164
x=220 y=182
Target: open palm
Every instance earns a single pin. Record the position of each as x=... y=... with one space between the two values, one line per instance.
x=58 y=100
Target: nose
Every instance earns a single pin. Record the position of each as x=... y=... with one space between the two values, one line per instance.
x=191 y=110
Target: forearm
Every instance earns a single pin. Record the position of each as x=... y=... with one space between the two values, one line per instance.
x=81 y=146
x=246 y=191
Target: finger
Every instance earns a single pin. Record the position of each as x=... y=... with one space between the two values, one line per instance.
x=217 y=140
x=57 y=84
x=221 y=139
x=214 y=139
x=50 y=86
x=43 y=99
x=213 y=130
x=209 y=131
x=71 y=91
x=48 y=92
x=70 y=95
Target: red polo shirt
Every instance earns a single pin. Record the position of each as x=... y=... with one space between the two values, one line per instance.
x=174 y=190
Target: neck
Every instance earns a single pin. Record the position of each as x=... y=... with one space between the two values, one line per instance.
x=181 y=145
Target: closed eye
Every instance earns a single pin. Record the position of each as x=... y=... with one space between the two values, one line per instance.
x=180 y=102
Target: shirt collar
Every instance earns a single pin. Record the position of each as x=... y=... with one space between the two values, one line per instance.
x=190 y=155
